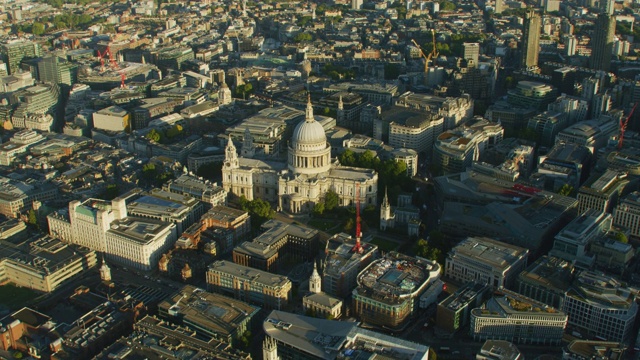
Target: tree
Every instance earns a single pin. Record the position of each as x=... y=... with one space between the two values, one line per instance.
x=331 y=200
x=243 y=90
x=259 y=210
x=154 y=135
x=447 y=5
x=37 y=28
x=33 y=218
x=566 y=190
x=619 y=236
x=347 y=158
x=318 y=208
x=300 y=37
x=348 y=226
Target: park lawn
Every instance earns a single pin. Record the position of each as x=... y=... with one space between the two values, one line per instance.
x=15 y=297
x=384 y=245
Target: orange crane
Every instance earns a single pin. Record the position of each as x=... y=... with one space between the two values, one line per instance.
x=623 y=126
x=427 y=57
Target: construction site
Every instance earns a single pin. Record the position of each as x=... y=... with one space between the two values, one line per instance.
x=112 y=72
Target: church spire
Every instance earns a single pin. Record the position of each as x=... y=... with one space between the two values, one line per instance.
x=385 y=200
x=230 y=154
x=309 y=115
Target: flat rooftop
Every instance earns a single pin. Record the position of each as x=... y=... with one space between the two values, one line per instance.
x=140 y=230
x=249 y=274
x=497 y=254
x=224 y=214
x=549 y=272
x=215 y=313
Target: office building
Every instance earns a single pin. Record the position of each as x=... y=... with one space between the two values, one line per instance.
x=210 y=315
x=14 y=52
x=356 y=4
x=152 y=108
x=611 y=255
x=530 y=40
x=139 y=242
x=474 y=203
x=471 y=51
x=453 y=312
x=291 y=336
x=409 y=157
x=546 y=280
x=56 y=70
x=389 y=288
x=413 y=129
x=599 y=305
x=86 y=223
x=113 y=118
x=35 y=107
x=454 y=110
x=182 y=210
x=602 y=191
x=592 y=349
x=565 y=163
x=627 y=213
x=41 y=263
x=593 y=134
x=519 y=319
x=342 y=265
x=456 y=149
x=602 y=42
x=499 y=349
x=532 y=95
x=278 y=241
x=176 y=342
x=210 y=194
x=16 y=196
x=248 y=284
x=487 y=261
x=233 y=224
x=573 y=241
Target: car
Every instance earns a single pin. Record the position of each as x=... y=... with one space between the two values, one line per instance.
x=146 y=277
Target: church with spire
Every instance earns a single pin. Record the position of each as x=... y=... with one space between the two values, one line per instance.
x=298 y=184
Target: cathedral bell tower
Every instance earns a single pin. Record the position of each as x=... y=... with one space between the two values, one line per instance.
x=315 y=281
x=230 y=155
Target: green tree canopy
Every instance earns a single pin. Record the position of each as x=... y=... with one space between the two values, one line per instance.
x=155 y=135
x=331 y=200
x=37 y=28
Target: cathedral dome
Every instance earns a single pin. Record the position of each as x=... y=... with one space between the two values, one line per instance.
x=309 y=133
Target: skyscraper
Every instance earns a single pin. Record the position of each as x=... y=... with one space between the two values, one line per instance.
x=57 y=71
x=14 y=52
x=530 y=40
x=602 y=42
x=471 y=52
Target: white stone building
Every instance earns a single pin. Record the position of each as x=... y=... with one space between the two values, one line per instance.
x=302 y=182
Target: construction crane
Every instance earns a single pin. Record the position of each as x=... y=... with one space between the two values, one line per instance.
x=427 y=57
x=123 y=77
x=358 y=248
x=623 y=126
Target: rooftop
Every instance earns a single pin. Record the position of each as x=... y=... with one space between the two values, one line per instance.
x=549 y=272
x=496 y=254
x=140 y=230
x=330 y=339
x=395 y=277
x=464 y=296
x=215 y=313
x=506 y=303
x=246 y=273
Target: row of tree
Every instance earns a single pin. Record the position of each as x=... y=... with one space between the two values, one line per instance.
x=164 y=136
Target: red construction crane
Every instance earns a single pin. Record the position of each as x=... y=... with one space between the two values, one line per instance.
x=123 y=76
x=358 y=247
x=623 y=126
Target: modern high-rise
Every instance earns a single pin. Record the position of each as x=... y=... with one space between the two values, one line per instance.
x=471 y=52
x=530 y=40
x=14 y=52
x=602 y=42
x=56 y=70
